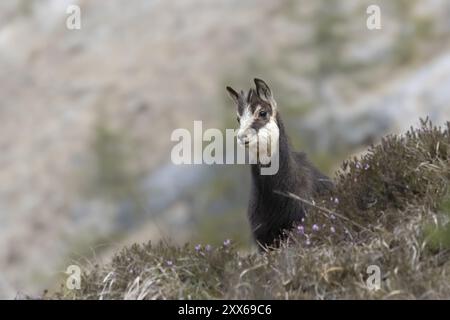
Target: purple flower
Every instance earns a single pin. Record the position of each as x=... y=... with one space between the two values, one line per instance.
x=358 y=165
x=208 y=247
x=227 y=242
x=366 y=167
x=169 y=263
x=198 y=247
x=315 y=227
x=336 y=200
x=301 y=229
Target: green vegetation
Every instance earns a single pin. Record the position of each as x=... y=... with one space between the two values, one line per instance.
x=25 y=7
x=439 y=233
x=113 y=176
x=390 y=209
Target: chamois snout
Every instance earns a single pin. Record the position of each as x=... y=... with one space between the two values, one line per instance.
x=246 y=135
x=242 y=137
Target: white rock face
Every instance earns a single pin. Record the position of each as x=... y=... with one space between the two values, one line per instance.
x=394 y=108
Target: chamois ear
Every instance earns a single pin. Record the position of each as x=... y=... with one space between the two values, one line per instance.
x=263 y=90
x=233 y=95
x=250 y=95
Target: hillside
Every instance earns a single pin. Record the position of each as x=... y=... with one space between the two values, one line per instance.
x=391 y=209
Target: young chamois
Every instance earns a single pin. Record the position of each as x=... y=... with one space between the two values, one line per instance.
x=269 y=211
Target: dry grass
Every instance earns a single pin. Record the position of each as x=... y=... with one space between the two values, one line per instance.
x=390 y=209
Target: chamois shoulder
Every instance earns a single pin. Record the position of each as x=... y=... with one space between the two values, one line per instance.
x=322 y=185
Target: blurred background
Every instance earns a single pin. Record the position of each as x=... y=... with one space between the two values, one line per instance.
x=86 y=115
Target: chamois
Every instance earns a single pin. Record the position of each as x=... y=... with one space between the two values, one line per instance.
x=270 y=212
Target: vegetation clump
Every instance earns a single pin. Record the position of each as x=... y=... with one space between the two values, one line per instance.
x=391 y=209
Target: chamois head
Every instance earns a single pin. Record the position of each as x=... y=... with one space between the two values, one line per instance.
x=257 y=118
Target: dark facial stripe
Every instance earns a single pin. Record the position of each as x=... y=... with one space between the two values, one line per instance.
x=258 y=123
x=252 y=101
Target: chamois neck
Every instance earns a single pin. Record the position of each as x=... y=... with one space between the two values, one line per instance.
x=269 y=182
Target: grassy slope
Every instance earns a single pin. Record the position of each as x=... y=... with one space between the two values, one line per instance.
x=391 y=209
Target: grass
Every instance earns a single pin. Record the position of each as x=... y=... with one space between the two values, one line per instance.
x=390 y=209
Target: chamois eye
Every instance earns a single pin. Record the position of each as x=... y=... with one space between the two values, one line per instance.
x=262 y=114
x=238 y=119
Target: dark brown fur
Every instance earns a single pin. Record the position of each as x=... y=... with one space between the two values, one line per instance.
x=269 y=212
